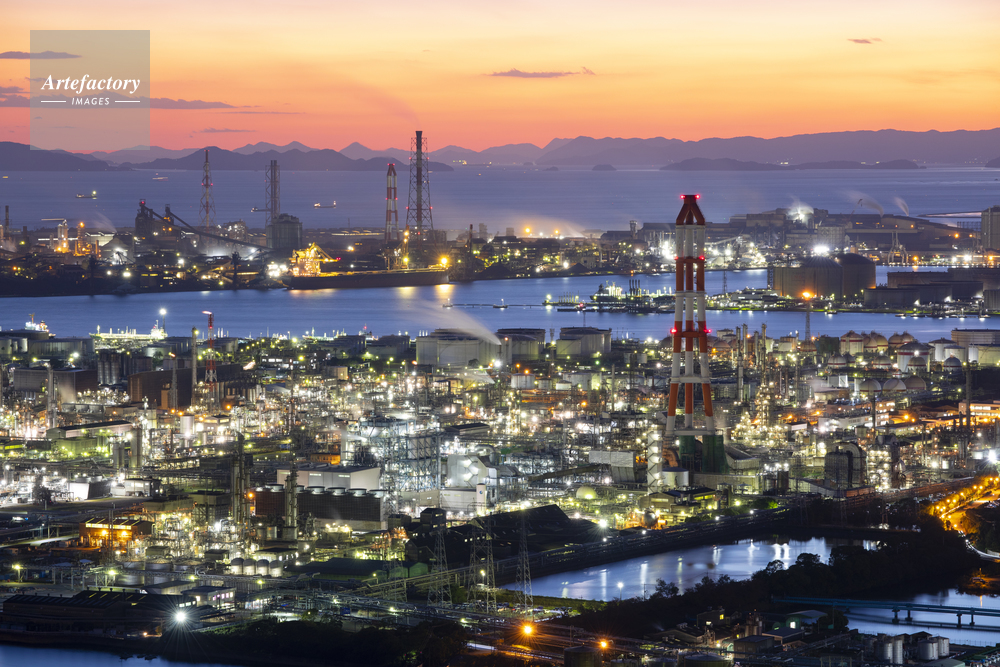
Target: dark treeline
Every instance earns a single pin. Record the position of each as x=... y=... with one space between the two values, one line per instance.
x=320 y=642
x=898 y=562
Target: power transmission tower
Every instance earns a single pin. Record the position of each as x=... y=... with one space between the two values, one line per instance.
x=439 y=593
x=272 y=192
x=523 y=585
x=207 y=202
x=482 y=580
x=418 y=208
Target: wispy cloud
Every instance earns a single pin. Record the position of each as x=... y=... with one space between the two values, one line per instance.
x=862 y=40
x=519 y=74
x=167 y=103
x=13 y=101
x=516 y=73
x=4 y=90
x=288 y=113
x=42 y=55
x=219 y=130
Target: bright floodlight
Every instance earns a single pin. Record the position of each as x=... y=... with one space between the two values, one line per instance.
x=528 y=629
x=180 y=616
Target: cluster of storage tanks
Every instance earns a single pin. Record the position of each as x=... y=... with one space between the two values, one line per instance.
x=333 y=490
x=256 y=568
x=890 y=649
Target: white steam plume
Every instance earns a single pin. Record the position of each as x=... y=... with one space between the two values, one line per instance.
x=863 y=200
x=902 y=205
x=450 y=318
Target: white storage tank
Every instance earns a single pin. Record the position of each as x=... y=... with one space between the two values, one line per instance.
x=262 y=567
x=276 y=568
x=522 y=381
x=897 y=650
x=236 y=566
x=944 y=646
x=927 y=650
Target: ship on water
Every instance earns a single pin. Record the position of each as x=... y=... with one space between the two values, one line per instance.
x=307 y=274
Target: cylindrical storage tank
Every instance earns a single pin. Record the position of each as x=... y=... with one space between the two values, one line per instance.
x=338 y=490
x=263 y=566
x=703 y=660
x=642 y=358
x=944 y=647
x=357 y=492
x=675 y=478
x=897 y=649
x=315 y=489
x=276 y=568
x=522 y=381
x=236 y=566
x=884 y=651
x=581 y=656
x=377 y=493
x=927 y=650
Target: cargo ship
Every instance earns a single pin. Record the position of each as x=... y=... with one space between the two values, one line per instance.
x=307 y=274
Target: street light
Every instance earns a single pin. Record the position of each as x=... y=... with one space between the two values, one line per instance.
x=621 y=585
x=163 y=314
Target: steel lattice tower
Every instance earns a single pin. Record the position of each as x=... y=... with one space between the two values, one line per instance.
x=482 y=575
x=211 y=377
x=523 y=586
x=207 y=202
x=391 y=212
x=272 y=192
x=418 y=207
x=690 y=344
x=439 y=593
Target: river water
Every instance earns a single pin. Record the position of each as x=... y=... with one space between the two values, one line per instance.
x=48 y=657
x=393 y=310
x=739 y=560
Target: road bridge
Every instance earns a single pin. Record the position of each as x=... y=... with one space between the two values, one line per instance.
x=896 y=606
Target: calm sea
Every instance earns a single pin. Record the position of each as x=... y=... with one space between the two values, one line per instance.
x=412 y=310
x=569 y=200
x=566 y=200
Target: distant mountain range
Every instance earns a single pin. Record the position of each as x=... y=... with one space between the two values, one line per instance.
x=291 y=160
x=727 y=164
x=19 y=157
x=830 y=150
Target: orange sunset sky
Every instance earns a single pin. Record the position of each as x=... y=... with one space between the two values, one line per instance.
x=329 y=73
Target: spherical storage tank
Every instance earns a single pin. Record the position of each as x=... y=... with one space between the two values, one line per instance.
x=836 y=363
x=894 y=385
x=869 y=386
x=918 y=363
x=913 y=383
x=953 y=365
x=881 y=363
